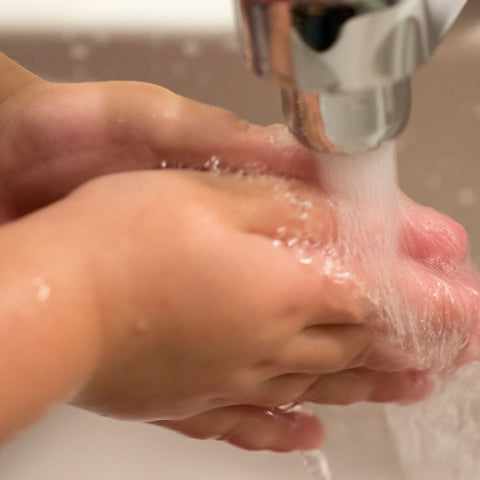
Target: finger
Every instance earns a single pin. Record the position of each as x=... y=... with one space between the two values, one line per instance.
x=368 y=386
x=193 y=134
x=297 y=295
x=343 y=388
x=427 y=235
x=292 y=221
x=73 y=133
x=443 y=305
x=328 y=349
x=253 y=428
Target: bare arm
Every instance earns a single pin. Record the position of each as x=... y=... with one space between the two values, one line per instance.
x=48 y=336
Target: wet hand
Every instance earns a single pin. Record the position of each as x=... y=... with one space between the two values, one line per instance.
x=442 y=287
x=279 y=332
x=54 y=137
x=203 y=314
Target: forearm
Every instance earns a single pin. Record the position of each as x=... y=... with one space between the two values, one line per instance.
x=49 y=341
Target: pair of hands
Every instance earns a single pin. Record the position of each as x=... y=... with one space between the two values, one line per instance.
x=199 y=322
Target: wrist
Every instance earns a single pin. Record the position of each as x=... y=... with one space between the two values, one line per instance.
x=49 y=323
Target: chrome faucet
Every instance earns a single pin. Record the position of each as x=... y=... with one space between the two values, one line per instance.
x=343 y=66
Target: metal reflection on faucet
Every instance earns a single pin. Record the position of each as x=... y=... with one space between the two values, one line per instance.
x=343 y=66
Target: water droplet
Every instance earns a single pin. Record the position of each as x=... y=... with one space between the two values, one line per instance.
x=291 y=407
x=306 y=260
x=42 y=289
x=170 y=114
x=291 y=242
x=213 y=164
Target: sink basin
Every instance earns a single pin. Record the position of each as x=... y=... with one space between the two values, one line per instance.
x=439 y=166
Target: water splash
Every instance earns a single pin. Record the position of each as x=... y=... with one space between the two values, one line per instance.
x=214 y=165
x=422 y=301
x=315 y=461
x=371 y=215
x=439 y=438
x=316 y=465
x=42 y=289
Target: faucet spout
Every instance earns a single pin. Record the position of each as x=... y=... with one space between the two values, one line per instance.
x=343 y=66
x=442 y=14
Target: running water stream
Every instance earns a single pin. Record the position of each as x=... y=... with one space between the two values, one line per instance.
x=382 y=236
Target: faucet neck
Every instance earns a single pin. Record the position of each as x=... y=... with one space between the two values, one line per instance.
x=343 y=62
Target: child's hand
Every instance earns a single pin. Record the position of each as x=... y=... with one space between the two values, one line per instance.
x=183 y=309
x=207 y=323
x=54 y=137
x=201 y=311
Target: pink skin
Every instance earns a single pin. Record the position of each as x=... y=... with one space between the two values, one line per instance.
x=437 y=245
x=77 y=132
x=54 y=138
x=430 y=236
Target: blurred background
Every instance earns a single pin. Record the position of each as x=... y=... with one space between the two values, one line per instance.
x=189 y=47
x=120 y=15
